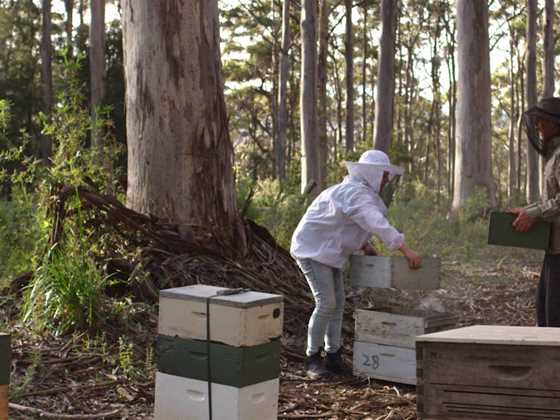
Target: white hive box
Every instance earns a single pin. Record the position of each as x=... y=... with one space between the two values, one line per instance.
x=388 y=363
x=384 y=346
x=187 y=399
x=245 y=319
x=394 y=272
x=398 y=328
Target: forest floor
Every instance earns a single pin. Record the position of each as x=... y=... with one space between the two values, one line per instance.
x=111 y=376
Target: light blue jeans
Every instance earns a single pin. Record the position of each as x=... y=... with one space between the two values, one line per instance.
x=325 y=324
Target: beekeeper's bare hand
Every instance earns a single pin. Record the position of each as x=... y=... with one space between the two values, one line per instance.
x=523 y=222
x=414 y=260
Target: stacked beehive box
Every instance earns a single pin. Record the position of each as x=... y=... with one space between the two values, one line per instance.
x=384 y=341
x=5 y=364
x=218 y=354
x=489 y=373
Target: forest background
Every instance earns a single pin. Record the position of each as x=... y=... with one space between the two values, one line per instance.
x=62 y=113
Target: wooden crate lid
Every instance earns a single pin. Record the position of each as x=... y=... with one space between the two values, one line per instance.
x=201 y=292
x=496 y=334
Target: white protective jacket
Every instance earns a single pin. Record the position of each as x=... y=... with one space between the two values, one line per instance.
x=344 y=217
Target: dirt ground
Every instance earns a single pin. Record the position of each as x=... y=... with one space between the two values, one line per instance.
x=111 y=376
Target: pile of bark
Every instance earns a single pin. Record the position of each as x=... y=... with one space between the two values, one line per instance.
x=151 y=254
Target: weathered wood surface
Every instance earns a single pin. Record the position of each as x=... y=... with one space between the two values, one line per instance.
x=497 y=334
x=389 y=363
x=398 y=329
x=232 y=366
x=393 y=272
x=246 y=319
x=187 y=399
x=501 y=232
x=477 y=379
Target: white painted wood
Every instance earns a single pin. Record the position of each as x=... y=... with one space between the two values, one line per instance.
x=393 y=272
x=398 y=329
x=179 y=398
x=497 y=334
x=388 y=363
x=247 y=319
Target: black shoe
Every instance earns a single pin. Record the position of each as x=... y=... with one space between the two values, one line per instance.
x=336 y=365
x=314 y=366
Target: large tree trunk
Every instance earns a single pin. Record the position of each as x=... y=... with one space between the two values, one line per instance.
x=531 y=86
x=97 y=66
x=322 y=68
x=349 y=55
x=512 y=173
x=283 y=75
x=385 y=77
x=308 y=100
x=180 y=157
x=548 y=67
x=46 y=75
x=474 y=125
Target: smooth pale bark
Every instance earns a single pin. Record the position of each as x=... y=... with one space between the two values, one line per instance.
x=283 y=75
x=324 y=9
x=308 y=100
x=474 y=126
x=452 y=95
x=548 y=67
x=97 y=66
x=512 y=173
x=180 y=157
x=533 y=190
x=385 y=77
x=349 y=55
x=46 y=75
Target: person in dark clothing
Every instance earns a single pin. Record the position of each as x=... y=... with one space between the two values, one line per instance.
x=543 y=129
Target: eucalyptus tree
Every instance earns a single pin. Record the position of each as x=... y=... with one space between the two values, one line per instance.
x=46 y=73
x=97 y=65
x=531 y=86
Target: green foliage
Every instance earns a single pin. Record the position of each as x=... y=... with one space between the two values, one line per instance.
x=66 y=293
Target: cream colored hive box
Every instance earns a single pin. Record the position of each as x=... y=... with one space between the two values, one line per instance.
x=384 y=346
x=489 y=372
x=187 y=399
x=393 y=272
x=244 y=319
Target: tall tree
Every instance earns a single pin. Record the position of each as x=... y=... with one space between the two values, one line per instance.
x=349 y=55
x=180 y=155
x=531 y=86
x=474 y=125
x=308 y=100
x=385 y=77
x=283 y=75
x=364 y=71
x=69 y=25
x=548 y=67
x=324 y=10
x=46 y=74
x=97 y=64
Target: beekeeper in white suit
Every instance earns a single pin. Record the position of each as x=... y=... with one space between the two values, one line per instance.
x=340 y=221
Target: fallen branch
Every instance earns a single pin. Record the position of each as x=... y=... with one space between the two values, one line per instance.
x=47 y=415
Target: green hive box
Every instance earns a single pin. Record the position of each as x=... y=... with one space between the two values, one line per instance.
x=501 y=232
x=5 y=359
x=229 y=365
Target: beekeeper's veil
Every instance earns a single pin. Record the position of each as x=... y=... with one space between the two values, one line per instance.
x=370 y=169
x=546 y=109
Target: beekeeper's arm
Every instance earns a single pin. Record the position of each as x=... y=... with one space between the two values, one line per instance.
x=363 y=211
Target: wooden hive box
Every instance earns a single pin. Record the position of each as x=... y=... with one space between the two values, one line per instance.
x=188 y=399
x=245 y=319
x=501 y=232
x=489 y=373
x=384 y=346
x=232 y=366
x=393 y=272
